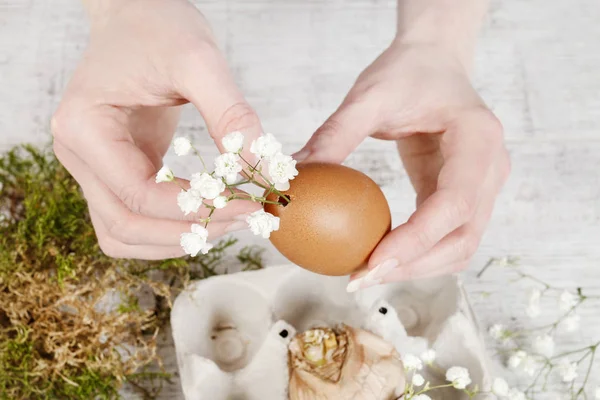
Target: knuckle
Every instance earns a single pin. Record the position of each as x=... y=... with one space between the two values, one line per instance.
x=492 y=126
x=422 y=237
x=110 y=247
x=64 y=121
x=239 y=116
x=58 y=150
x=134 y=198
x=330 y=128
x=462 y=205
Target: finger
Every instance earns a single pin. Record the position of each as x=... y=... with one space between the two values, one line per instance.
x=100 y=197
x=469 y=148
x=343 y=131
x=209 y=85
x=115 y=249
x=125 y=226
x=458 y=247
x=113 y=158
x=99 y=136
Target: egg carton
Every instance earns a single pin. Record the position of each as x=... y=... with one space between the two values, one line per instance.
x=231 y=332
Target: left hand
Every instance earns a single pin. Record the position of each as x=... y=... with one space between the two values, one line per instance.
x=452 y=148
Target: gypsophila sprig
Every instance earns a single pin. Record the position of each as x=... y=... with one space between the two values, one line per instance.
x=459 y=377
x=234 y=142
x=208 y=191
x=531 y=351
x=418 y=368
x=195 y=242
x=412 y=362
x=182 y=146
x=428 y=356
x=500 y=387
x=262 y=223
x=164 y=175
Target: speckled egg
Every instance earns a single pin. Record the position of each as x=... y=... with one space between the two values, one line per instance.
x=335 y=219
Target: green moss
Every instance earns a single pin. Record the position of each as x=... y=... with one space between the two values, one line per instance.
x=54 y=343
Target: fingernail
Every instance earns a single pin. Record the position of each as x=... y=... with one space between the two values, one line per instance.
x=354 y=285
x=241 y=217
x=363 y=283
x=301 y=155
x=380 y=271
x=236 y=226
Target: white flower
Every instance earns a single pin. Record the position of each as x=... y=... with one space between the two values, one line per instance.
x=194 y=242
x=182 y=146
x=597 y=393
x=233 y=142
x=500 y=387
x=530 y=365
x=567 y=370
x=428 y=356
x=571 y=323
x=418 y=380
x=282 y=168
x=567 y=301
x=533 y=308
x=516 y=359
x=262 y=223
x=459 y=377
x=189 y=201
x=412 y=362
x=544 y=345
x=497 y=331
x=421 y=397
x=265 y=146
x=207 y=186
x=220 y=202
x=228 y=167
x=516 y=394
x=164 y=175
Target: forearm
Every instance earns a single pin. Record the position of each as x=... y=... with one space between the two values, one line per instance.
x=450 y=24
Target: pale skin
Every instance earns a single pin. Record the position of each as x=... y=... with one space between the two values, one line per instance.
x=148 y=57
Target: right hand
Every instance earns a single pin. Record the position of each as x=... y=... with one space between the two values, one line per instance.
x=119 y=113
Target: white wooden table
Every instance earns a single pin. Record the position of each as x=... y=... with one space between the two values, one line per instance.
x=538 y=67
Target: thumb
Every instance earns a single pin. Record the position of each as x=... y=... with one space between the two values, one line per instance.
x=340 y=135
x=209 y=85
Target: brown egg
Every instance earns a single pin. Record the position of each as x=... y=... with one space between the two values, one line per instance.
x=336 y=217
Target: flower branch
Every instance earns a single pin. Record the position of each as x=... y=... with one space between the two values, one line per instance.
x=219 y=185
x=539 y=361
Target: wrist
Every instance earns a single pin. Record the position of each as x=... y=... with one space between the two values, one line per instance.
x=448 y=25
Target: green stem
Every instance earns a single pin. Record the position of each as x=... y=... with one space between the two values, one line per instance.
x=175 y=181
x=490 y=262
x=533 y=278
x=568 y=353
x=433 y=388
x=589 y=370
x=251 y=198
x=554 y=325
x=539 y=374
x=200 y=157
x=271 y=187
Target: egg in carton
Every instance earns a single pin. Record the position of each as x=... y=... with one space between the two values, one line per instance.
x=235 y=334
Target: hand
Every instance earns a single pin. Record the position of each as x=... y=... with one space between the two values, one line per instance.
x=119 y=114
x=451 y=146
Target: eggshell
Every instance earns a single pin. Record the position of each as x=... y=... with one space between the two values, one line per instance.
x=336 y=218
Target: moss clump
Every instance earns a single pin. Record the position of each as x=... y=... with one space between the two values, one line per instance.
x=71 y=326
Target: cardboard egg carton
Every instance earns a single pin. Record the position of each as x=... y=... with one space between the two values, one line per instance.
x=231 y=332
